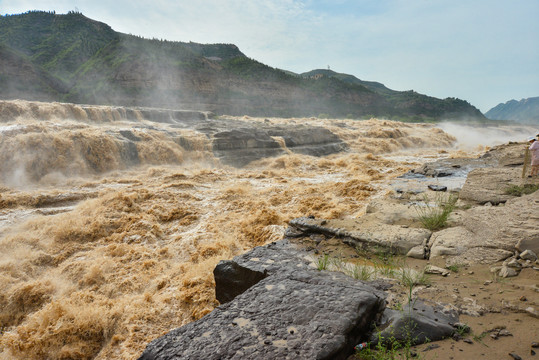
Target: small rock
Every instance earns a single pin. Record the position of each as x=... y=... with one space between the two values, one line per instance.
x=535 y=344
x=506 y=272
x=435 y=270
x=417 y=252
x=523 y=298
x=470 y=272
x=512 y=263
x=488 y=204
x=468 y=341
x=488 y=282
x=528 y=255
x=531 y=311
x=437 y=187
x=515 y=356
x=431 y=347
x=532 y=352
x=504 y=332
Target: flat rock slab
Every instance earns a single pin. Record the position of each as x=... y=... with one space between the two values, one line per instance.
x=238 y=143
x=490 y=234
x=367 y=231
x=489 y=185
x=304 y=315
x=452 y=167
x=506 y=155
x=279 y=307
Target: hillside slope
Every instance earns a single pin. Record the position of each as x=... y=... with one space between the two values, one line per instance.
x=525 y=111
x=72 y=58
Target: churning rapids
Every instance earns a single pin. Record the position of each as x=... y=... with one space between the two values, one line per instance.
x=112 y=219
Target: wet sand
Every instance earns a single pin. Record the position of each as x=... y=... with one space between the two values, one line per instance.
x=487 y=304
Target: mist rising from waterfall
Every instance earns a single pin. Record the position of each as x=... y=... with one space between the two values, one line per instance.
x=473 y=136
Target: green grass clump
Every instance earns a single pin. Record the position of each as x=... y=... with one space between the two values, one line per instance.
x=435 y=217
x=389 y=349
x=454 y=268
x=322 y=262
x=410 y=278
x=361 y=272
x=519 y=190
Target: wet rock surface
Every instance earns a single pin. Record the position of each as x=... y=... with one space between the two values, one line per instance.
x=479 y=182
x=293 y=313
x=492 y=226
x=452 y=167
x=239 y=147
x=243 y=142
x=303 y=316
x=416 y=322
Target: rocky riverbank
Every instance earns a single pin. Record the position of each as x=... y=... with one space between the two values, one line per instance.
x=290 y=299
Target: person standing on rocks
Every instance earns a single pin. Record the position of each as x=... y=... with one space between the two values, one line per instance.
x=534 y=149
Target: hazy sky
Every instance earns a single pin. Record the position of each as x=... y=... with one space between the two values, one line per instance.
x=482 y=51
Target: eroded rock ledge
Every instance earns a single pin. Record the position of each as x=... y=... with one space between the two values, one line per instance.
x=279 y=307
x=487 y=226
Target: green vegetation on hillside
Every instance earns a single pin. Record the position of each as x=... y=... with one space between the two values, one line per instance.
x=72 y=58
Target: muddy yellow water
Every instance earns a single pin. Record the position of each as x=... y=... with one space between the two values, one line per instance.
x=98 y=256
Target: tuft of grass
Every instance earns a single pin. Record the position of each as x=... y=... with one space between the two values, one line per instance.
x=519 y=190
x=435 y=217
x=322 y=262
x=454 y=268
x=463 y=330
x=389 y=349
x=479 y=338
x=337 y=263
x=410 y=278
x=361 y=272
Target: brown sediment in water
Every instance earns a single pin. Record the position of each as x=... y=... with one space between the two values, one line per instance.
x=129 y=254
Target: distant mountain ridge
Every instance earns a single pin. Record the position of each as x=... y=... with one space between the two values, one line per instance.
x=525 y=111
x=52 y=57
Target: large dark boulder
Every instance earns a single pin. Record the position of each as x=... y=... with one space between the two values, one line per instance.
x=278 y=306
x=232 y=280
x=287 y=310
x=306 y=315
